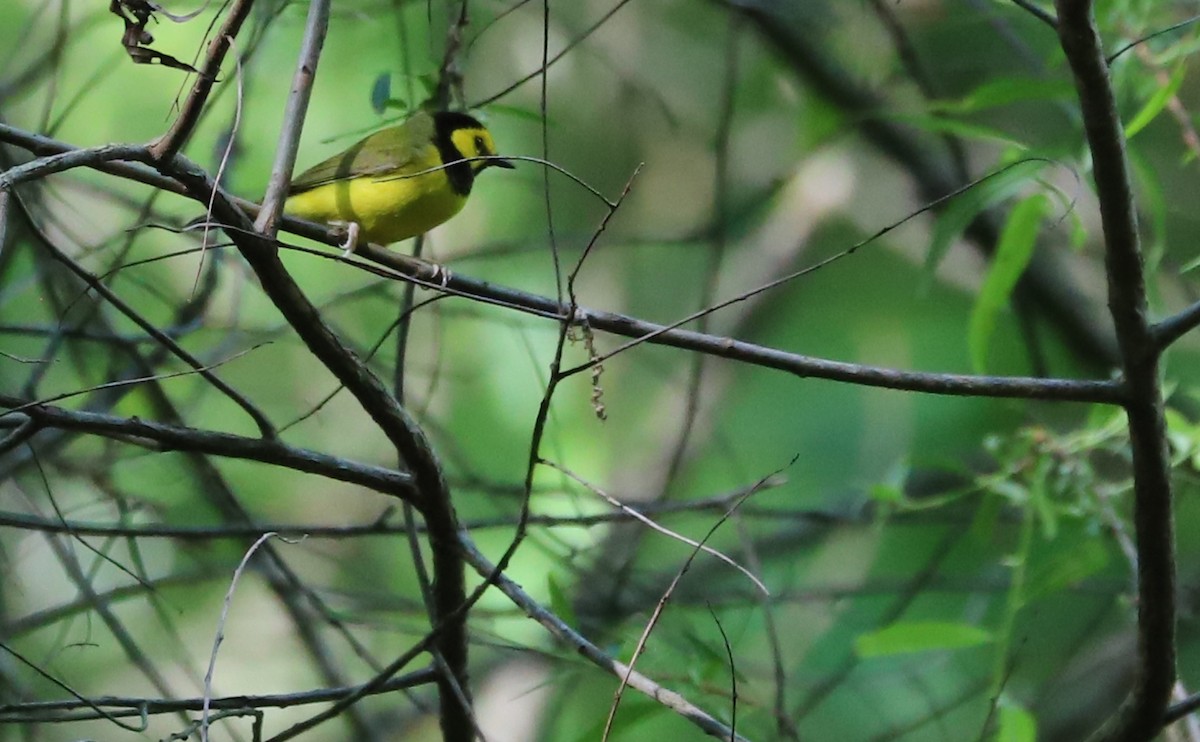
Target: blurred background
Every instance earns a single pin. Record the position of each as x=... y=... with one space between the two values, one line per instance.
x=939 y=568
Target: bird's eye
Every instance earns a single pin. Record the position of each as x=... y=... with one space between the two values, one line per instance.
x=479 y=147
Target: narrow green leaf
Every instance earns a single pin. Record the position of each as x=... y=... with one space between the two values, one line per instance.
x=709 y=659
x=1190 y=265
x=987 y=515
x=1016 y=492
x=521 y=113
x=1012 y=255
x=1152 y=202
x=964 y=208
x=887 y=493
x=1156 y=104
x=635 y=709
x=966 y=130
x=560 y=603
x=920 y=636
x=1016 y=724
x=1005 y=91
x=1042 y=500
x=1066 y=568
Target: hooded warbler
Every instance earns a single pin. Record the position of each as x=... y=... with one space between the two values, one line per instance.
x=399 y=182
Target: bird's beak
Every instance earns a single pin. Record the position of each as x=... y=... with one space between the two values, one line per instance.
x=501 y=163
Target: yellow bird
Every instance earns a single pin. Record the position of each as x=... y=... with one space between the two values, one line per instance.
x=399 y=182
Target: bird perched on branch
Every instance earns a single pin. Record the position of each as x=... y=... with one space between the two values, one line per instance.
x=399 y=182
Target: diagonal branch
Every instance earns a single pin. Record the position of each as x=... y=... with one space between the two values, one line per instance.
x=395 y=422
x=293 y=117
x=565 y=634
x=169 y=144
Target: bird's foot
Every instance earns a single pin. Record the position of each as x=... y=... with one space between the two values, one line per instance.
x=351 y=243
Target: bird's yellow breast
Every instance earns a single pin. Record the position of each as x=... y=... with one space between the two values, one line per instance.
x=387 y=207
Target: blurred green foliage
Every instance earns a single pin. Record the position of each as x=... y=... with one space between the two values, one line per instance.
x=940 y=568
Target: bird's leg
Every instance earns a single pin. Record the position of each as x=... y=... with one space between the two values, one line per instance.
x=351 y=243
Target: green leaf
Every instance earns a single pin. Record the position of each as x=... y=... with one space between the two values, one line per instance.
x=1190 y=265
x=1182 y=436
x=965 y=207
x=890 y=489
x=1012 y=255
x=1016 y=724
x=1005 y=91
x=560 y=603
x=708 y=659
x=1156 y=104
x=887 y=493
x=963 y=129
x=1041 y=500
x=987 y=515
x=1017 y=493
x=635 y=709
x=1066 y=568
x=920 y=636
x=521 y=113
x=1152 y=201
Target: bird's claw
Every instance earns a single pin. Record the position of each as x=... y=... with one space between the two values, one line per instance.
x=351 y=243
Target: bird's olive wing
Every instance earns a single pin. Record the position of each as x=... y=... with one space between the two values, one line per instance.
x=384 y=152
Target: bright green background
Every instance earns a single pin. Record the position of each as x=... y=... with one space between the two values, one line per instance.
x=801 y=186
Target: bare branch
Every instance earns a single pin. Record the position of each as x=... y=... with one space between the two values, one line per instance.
x=393 y=419
x=112 y=707
x=1108 y=392
x=267 y=451
x=172 y=141
x=293 y=117
x=1141 y=717
x=576 y=641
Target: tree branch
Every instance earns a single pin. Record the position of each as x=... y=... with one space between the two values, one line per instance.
x=293 y=118
x=969 y=385
x=169 y=144
x=1141 y=716
x=433 y=277
x=267 y=451
x=384 y=410
x=592 y=653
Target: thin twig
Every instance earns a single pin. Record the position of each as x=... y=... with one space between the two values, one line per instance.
x=293 y=117
x=1037 y=12
x=1138 y=42
x=733 y=684
x=652 y=525
x=567 y=635
x=219 y=636
x=661 y=605
x=172 y=141
x=385 y=526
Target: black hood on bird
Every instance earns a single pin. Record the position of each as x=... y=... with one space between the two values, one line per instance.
x=445 y=123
